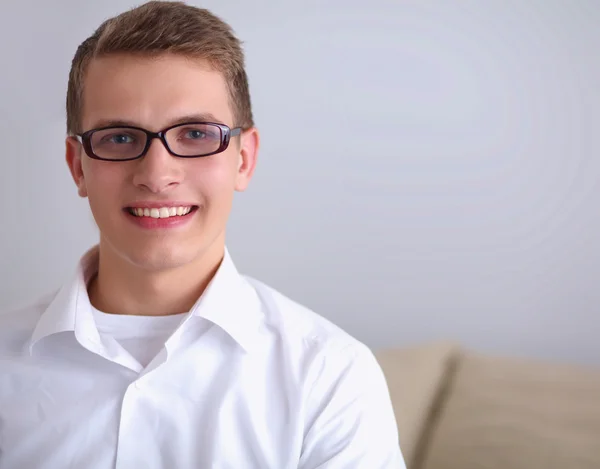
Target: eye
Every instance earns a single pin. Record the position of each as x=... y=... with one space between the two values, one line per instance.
x=194 y=134
x=118 y=139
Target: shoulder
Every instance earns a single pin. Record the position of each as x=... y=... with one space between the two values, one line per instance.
x=298 y=322
x=308 y=336
x=348 y=416
x=17 y=324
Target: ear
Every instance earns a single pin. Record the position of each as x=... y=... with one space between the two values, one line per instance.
x=73 y=152
x=248 y=155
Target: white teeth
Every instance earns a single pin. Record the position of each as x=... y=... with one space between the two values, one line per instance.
x=162 y=212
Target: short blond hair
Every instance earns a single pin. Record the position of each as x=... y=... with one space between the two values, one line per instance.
x=160 y=27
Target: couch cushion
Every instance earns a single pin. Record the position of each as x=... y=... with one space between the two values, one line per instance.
x=415 y=377
x=505 y=413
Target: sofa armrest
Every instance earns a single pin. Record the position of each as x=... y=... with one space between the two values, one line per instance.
x=416 y=377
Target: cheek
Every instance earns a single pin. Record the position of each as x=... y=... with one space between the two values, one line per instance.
x=103 y=183
x=215 y=178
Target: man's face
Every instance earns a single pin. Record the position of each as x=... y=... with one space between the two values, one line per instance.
x=154 y=93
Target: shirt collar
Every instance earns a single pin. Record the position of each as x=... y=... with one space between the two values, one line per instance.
x=229 y=302
x=70 y=310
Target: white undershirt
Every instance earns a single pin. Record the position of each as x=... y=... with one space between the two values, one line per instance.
x=142 y=336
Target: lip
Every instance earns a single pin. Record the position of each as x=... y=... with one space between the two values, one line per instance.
x=149 y=204
x=149 y=223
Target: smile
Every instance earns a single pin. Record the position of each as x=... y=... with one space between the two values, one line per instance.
x=160 y=212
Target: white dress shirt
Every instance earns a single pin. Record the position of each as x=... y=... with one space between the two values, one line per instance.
x=246 y=379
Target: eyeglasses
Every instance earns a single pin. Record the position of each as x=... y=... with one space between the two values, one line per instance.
x=189 y=140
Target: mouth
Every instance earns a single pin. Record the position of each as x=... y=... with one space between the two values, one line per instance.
x=161 y=212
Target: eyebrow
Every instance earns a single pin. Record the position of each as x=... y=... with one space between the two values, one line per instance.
x=201 y=117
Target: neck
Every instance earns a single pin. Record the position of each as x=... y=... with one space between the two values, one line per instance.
x=120 y=287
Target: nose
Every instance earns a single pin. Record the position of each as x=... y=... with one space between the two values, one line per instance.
x=158 y=171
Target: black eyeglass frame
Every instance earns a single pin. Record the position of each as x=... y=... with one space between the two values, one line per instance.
x=226 y=132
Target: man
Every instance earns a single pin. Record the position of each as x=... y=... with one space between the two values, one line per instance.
x=158 y=353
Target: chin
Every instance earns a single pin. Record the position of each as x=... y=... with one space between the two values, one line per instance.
x=163 y=252
x=159 y=258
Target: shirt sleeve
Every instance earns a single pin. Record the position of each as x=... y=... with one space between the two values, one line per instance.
x=351 y=421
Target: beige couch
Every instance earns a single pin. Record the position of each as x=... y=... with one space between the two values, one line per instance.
x=457 y=409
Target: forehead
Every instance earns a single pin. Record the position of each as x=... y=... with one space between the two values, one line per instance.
x=152 y=91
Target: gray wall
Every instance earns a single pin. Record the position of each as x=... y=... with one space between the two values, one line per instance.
x=428 y=170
